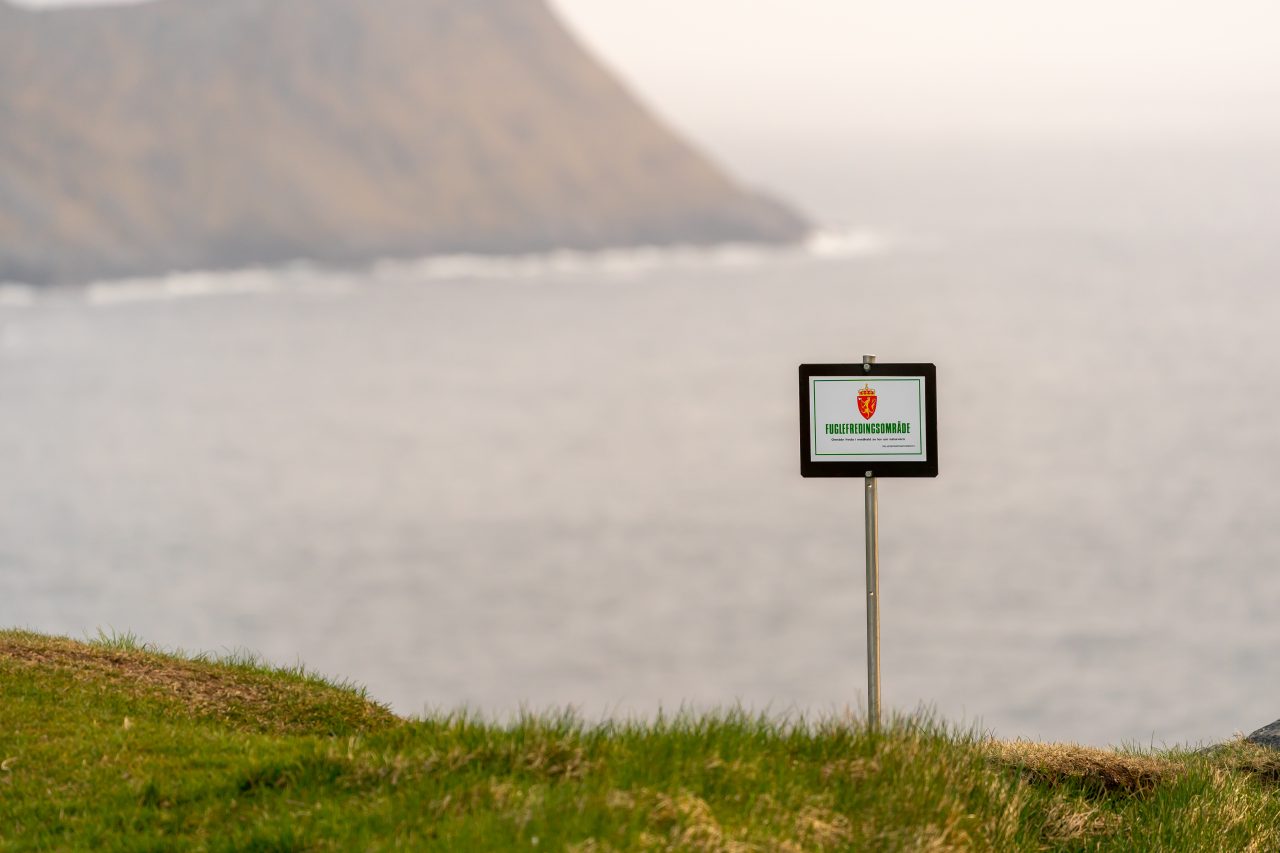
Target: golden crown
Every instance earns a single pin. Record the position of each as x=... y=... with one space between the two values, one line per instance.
x=867 y=391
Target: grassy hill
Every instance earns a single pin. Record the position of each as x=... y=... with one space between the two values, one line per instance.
x=192 y=134
x=110 y=745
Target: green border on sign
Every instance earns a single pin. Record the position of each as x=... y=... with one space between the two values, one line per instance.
x=813 y=414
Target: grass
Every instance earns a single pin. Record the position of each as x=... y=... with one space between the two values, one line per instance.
x=115 y=745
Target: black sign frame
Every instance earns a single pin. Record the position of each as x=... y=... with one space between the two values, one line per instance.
x=927 y=468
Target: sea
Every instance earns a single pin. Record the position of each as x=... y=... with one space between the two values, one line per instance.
x=571 y=480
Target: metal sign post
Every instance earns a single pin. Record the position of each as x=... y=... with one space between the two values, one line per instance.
x=869 y=421
x=871 y=499
x=873 y=601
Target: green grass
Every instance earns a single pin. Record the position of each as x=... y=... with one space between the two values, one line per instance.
x=114 y=745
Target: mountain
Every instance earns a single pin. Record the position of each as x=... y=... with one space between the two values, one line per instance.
x=187 y=134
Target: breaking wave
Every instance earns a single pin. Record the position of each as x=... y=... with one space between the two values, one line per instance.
x=635 y=261
x=609 y=264
x=16 y=295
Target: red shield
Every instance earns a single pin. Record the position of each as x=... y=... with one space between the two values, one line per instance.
x=867 y=402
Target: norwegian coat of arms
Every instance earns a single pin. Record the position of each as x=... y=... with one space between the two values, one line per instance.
x=867 y=402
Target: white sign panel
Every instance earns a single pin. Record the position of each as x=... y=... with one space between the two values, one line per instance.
x=868 y=418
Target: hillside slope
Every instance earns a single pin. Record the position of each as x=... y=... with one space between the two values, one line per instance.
x=185 y=133
x=113 y=745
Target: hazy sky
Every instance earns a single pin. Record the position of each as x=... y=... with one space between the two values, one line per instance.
x=727 y=69
x=887 y=67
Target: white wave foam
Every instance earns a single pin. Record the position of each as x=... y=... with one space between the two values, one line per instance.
x=632 y=262
x=184 y=285
x=608 y=264
x=16 y=295
x=846 y=243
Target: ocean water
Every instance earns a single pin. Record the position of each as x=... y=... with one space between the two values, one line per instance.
x=573 y=479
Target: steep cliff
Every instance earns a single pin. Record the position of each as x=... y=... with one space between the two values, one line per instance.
x=190 y=133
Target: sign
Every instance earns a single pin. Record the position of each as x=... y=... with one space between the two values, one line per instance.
x=861 y=420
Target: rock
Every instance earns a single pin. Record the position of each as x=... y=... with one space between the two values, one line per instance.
x=1268 y=735
x=179 y=134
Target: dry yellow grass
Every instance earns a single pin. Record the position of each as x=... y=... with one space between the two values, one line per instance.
x=1087 y=766
x=201 y=688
